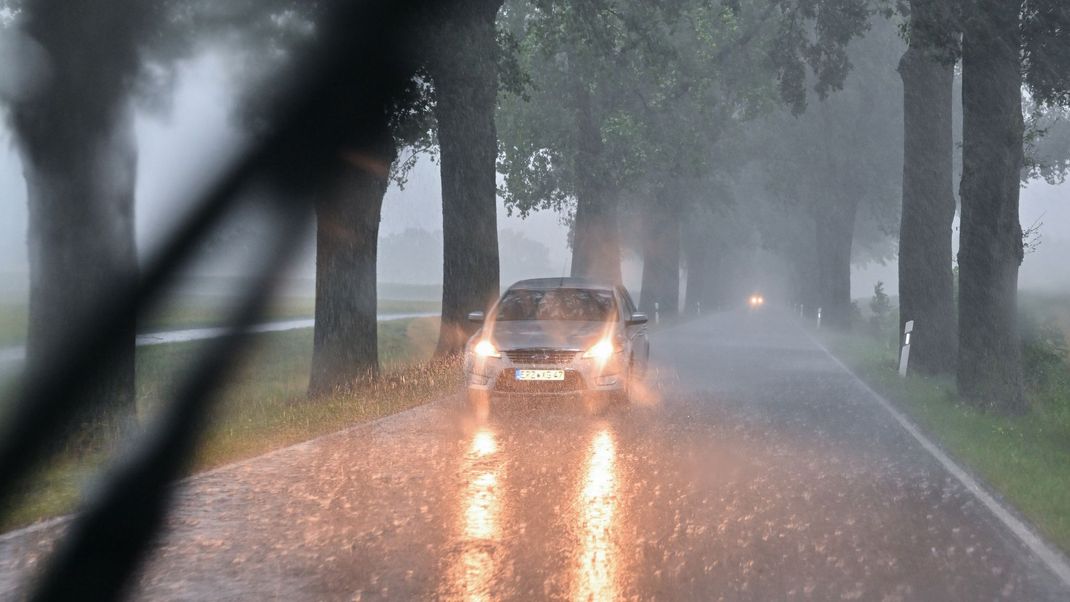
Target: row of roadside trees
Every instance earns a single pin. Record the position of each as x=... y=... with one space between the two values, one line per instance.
x=635 y=118
x=638 y=113
x=1005 y=49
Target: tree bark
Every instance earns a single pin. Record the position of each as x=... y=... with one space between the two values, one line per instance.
x=79 y=157
x=804 y=284
x=697 y=270
x=990 y=244
x=835 y=232
x=804 y=279
x=465 y=77
x=81 y=250
x=661 y=261
x=926 y=293
x=345 y=341
x=595 y=240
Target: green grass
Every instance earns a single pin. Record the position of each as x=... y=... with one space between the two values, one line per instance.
x=1026 y=459
x=263 y=406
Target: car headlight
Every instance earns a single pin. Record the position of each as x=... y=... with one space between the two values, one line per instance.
x=602 y=350
x=484 y=348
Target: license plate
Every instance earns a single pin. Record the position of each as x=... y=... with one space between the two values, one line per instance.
x=540 y=374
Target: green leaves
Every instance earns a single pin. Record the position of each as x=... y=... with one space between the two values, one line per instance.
x=814 y=34
x=1046 y=51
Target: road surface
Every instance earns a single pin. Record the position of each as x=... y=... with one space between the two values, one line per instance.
x=755 y=468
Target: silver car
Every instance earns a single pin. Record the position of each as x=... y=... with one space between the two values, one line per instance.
x=557 y=335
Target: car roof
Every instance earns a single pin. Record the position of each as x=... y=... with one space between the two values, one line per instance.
x=564 y=282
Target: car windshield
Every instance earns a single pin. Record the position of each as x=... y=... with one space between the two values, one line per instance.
x=557 y=304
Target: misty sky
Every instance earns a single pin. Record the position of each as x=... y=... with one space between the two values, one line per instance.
x=180 y=149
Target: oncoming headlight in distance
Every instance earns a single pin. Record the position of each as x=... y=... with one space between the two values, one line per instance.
x=485 y=348
x=756 y=301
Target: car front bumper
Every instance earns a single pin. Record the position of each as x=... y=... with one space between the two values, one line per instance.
x=497 y=375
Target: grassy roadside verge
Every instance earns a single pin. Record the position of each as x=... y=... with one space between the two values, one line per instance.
x=1025 y=459
x=263 y=407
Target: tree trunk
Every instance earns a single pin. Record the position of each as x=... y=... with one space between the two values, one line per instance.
x=466 y=81
x=697 y=270
x=81 y=250
x=835 y=232
x=804 y=280
x=990 y=243
x=926 y=293
x=345 y=343
x=661 y=262
x=595 y=239
x=712 y=278
x=79 y=157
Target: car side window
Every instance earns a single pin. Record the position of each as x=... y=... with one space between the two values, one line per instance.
x=629 y=306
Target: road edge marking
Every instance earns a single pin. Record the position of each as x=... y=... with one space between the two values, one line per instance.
x=1051 y=557
x=38 y=526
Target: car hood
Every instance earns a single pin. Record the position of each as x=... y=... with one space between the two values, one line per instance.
x=547 y=334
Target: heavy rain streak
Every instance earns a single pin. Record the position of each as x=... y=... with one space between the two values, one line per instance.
x=535 y=300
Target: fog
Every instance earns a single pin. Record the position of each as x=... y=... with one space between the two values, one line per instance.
x=764 y=410
x=182 y=145
x=1045 y=269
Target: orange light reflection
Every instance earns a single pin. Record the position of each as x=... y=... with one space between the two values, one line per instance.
x=597 y=575
x=481 y=519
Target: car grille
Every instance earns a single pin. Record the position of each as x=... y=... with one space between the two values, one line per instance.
x=538 y=357
x=507 y=383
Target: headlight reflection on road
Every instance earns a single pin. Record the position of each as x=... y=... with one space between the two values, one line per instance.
x=481 y=519
x=483 y=443
x=597 y=575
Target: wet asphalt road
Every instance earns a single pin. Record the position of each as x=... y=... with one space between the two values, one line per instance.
x=753 y=468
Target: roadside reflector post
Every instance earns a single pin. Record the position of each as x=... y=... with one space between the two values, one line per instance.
x=819 y=318
x=904 y=353
x=656 y=318
x=698 y=307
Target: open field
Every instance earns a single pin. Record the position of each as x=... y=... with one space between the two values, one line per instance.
x=1025 y=460
x=1048 y=307
x=198 y=311
x=264 y=405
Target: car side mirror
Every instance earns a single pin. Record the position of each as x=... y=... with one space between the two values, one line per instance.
x=476 y=316
x=637 y=319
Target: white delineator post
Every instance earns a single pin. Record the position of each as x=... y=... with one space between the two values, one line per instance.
x=904 y=353
x=819 y=318
x=656 y=320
